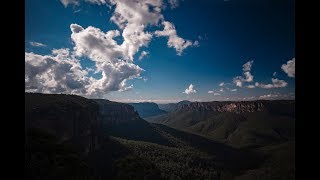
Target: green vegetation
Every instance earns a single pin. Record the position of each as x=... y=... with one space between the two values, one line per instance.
x=176 y=163
x=46 y=157
x=246 y=130
x=269 y=132
x=71 y=137
x=135 y=168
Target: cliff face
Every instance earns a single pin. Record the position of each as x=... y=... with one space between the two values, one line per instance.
x=116 y=113
x=72 y=119
x=235 y=107
x=276 y=106
x=121 y=120
x=147 y=109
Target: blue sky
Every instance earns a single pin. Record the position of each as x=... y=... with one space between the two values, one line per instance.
x=210 y=43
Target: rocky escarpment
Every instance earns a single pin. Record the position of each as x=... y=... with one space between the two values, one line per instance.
x=72 y=119
x=121 y=120
x=236 y=107
x=147 y=109
x=116 y=113
x=276 y=106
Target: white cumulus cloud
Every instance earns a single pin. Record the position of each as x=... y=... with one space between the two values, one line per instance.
x=55 y=73
x=246 y=77
x=289 y=68
x=276 y=83
x=190 y=90
x=61 y=71
x=95 y=44
x=173 y=39
x=133 y=17
x=238 y=81
x=110 y=58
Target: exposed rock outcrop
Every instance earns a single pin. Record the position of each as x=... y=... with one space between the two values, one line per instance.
x=116 y=113
x=276 y=106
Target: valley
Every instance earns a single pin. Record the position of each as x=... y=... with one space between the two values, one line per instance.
x=69 y=136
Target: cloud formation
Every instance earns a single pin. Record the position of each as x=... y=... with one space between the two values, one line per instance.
x=274 y=74
x=71 y=2
x=96 y=45
x=268 y=96
x=55 y=73
x=246 y=77
x=132 y=17
x=289 y=68
x=276 y=83
x=37 y=44
x=273 y=96
x=216 y=93
x=190 y=90
x=247 y=66
x=98 y=2
x=250 y=86
x=143 y=54
x=173 y=39
x=61 y=71
x=77 y=2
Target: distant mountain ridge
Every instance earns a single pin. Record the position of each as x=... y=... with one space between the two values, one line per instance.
x=147 y=109
x=242 y=124
x=241 y=106
x=173 y=106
